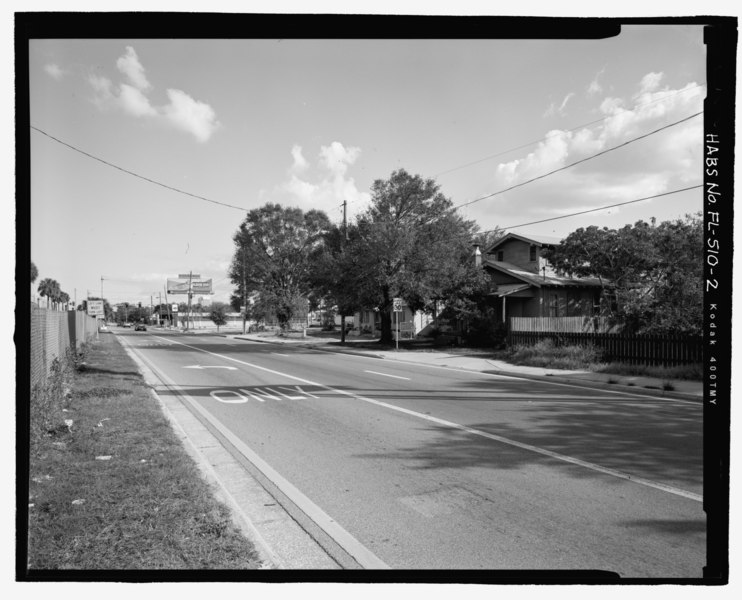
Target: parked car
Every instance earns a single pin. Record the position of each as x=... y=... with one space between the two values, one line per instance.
x=140 y=327
x=126 y=324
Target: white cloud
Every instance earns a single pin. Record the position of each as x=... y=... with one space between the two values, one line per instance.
x=54 y=71
x=595 y=87
x=664 y=162
x=181 y=112
x=130 y=66
x=336 y=157
x=324 y=186
x=558 y=110
x=300 y=163
x=650 y=82
x=134 y=102
x=190 y=115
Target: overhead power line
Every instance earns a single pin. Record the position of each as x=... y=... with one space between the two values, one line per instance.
x=105 y=162
x=583 y=212
x=491 y=156
x=569 y=166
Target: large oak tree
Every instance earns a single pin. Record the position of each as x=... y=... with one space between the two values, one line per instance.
x=409 y=243
x=274 y=249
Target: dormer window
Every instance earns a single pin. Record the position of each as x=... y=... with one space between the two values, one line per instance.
x=533 y=254
x=500 y=256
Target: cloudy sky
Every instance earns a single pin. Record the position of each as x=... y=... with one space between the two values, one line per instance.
x=181 y=137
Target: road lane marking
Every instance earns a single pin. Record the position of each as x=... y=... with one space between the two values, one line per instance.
x=286 y=395
x=211 y=367
x=575 y=461
x=217 y=395
x=387 y=375
x=279 y=354
x=271 y=396
x=362 y=555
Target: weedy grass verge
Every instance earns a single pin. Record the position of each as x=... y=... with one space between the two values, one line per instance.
x=111 y=486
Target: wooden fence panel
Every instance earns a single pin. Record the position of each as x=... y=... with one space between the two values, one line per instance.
x=651 y=350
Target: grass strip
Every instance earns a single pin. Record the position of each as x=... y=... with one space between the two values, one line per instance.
x=115 y=489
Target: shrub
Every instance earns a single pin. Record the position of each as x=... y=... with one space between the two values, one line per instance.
x=548 y=354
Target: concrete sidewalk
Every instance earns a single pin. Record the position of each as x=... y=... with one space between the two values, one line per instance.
x=479 y=361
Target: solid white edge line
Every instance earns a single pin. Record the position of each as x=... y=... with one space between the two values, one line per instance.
x=351 y=545
x=549 y=453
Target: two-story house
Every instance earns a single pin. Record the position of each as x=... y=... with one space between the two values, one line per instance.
x=526 y=284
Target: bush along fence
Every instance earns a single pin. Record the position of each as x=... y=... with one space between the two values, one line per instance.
x=652 y=350
x=53 y=333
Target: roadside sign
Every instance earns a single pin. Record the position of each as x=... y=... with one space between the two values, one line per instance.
x=397 y=304
x=95 y=308
x=174 y=308
x=190 y=276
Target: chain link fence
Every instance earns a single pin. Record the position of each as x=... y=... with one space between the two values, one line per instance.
x=52 y=333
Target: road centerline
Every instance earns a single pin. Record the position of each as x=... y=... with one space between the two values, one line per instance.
x=543 y=451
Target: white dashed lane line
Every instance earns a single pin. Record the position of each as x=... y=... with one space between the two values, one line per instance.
x=387 y=375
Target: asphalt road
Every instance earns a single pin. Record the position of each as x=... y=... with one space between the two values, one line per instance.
x=433 y=468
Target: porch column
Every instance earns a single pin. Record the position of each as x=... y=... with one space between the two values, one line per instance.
x=504 y=300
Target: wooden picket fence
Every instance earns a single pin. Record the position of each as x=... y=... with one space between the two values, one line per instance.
x=566 y=324
x=653 y=350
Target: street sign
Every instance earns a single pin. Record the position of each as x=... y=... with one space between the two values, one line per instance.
x=190 y=276
x=397 y=304
x=174 y=308
x=95 y=308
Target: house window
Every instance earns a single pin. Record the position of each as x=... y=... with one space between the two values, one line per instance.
x=532 y=257
x=500 y=256
x=554 y=306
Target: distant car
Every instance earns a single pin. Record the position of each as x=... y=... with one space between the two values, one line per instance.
x=140 y=327
x=127 y=324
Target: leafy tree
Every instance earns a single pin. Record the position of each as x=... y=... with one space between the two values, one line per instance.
x=34 y=272
x=412 y=244
x=274 y=249
x=218 y=314
x=337 y=274
x=654 y=271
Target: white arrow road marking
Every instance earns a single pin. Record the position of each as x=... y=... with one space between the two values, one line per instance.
x=210 y=367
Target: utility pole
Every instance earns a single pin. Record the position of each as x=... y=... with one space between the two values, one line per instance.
x=345 y=219
x=342 y=313
x=169 y=313
x=159 y=311
x=244 y=291
x=190 y=293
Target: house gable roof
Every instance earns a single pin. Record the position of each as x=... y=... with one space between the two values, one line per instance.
x=539 y=280
x=538 y=240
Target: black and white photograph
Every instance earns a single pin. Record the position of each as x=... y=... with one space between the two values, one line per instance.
x=373 y=298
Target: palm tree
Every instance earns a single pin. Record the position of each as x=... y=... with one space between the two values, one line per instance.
x=64 y=299
x=49 y=288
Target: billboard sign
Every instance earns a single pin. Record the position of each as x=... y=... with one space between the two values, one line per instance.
x=95 y=308
x=180 y=286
